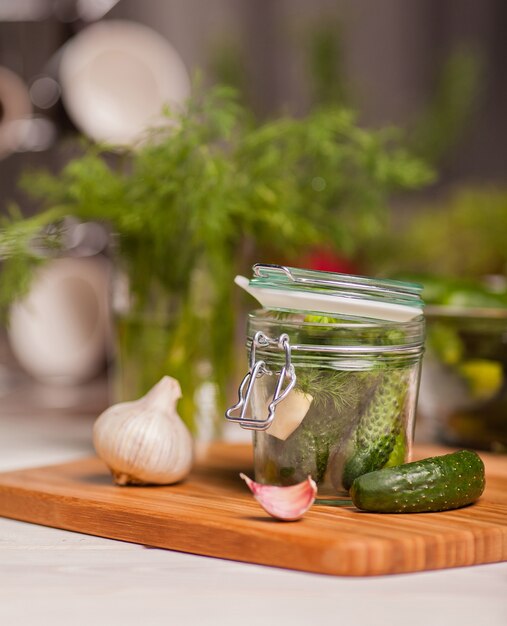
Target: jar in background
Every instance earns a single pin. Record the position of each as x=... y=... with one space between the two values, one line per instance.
x=328 y=394
x=463 y=396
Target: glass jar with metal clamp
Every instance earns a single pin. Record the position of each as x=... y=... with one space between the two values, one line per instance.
x=333 y=375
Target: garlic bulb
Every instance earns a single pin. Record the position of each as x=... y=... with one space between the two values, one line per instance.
x=145 y=441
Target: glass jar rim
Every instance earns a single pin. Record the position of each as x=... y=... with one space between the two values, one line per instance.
x=343 y=322
x=346 y=335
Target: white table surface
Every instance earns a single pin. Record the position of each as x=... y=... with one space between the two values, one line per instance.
x=56 y=577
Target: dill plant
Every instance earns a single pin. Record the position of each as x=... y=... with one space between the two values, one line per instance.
x=203 y=196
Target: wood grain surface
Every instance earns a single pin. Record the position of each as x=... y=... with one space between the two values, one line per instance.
x=212 y=513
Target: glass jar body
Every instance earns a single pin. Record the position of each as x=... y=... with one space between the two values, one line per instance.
x=353 y=404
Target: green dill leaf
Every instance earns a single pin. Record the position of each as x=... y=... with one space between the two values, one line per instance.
x=332 y=388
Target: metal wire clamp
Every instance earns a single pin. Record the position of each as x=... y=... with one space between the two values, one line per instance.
x=258 y=368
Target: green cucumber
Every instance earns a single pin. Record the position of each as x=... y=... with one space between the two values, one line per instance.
x=375 y=436
x=439 y=483
x=398 y=454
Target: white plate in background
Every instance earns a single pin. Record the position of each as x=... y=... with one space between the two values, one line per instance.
x=116 y=76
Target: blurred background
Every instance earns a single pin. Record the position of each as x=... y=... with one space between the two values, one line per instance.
x=77 y=73
x=390 y=61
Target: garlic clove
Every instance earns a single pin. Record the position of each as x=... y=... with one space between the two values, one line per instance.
x=284 y=503
x=145 y=441
x=289 y=414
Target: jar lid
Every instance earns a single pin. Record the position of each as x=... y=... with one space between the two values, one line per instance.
x=292 y=289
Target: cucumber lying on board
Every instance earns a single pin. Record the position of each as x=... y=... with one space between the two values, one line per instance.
x=439 y=483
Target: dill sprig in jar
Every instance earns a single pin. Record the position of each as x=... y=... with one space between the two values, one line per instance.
x=334 y=363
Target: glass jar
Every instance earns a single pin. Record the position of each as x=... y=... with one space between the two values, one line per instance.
x=330 y=394
x=464 y=378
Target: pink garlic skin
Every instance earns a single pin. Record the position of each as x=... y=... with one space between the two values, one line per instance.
x=284 y=503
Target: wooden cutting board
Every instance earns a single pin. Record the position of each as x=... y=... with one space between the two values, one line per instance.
x=212 y=513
